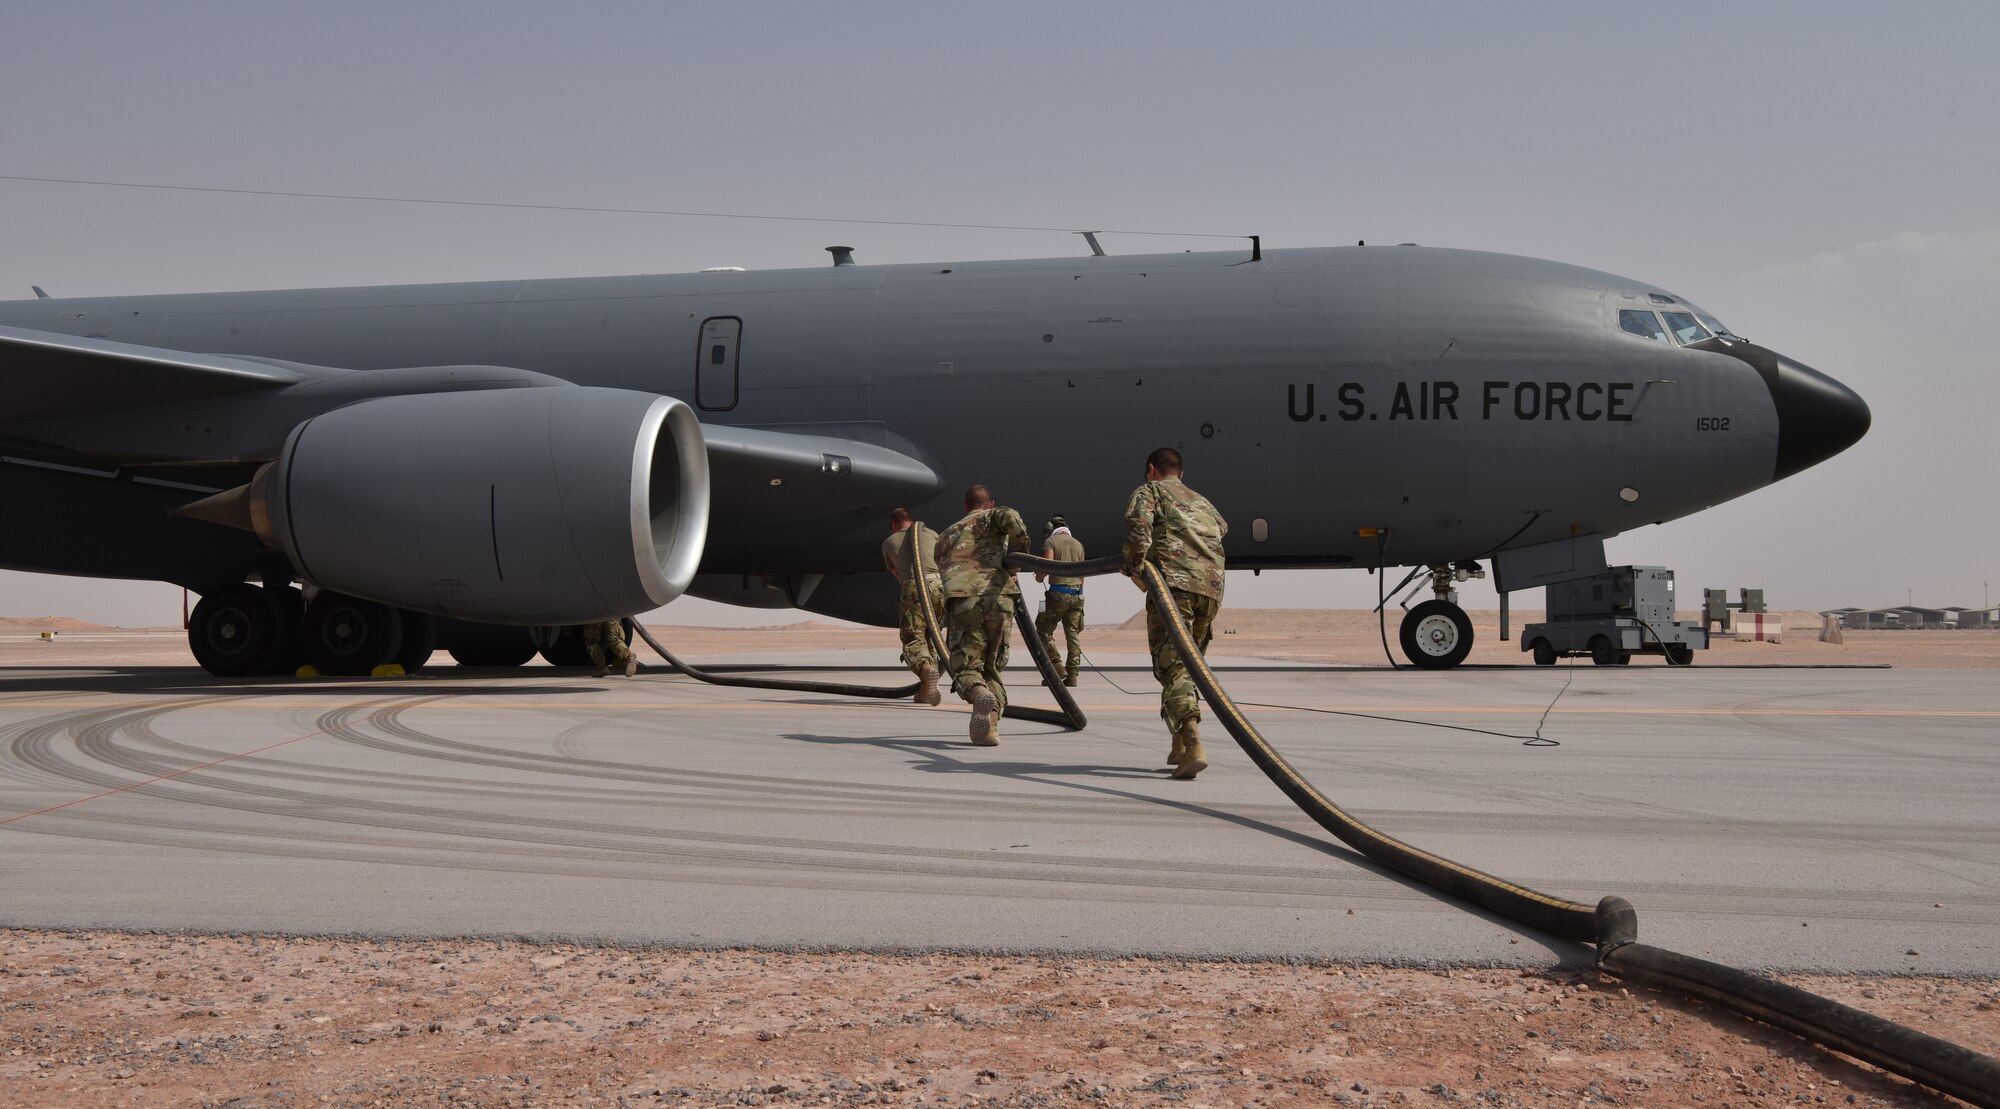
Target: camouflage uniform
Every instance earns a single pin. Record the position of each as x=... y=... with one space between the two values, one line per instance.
x=980 y=595
x=917 y=650
x=1061 y=607
x=1176 y=529
x=610 y=632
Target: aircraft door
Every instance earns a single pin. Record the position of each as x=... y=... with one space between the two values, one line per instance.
x=715 y=363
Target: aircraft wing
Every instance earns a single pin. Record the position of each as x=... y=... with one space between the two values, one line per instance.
x=44 y=375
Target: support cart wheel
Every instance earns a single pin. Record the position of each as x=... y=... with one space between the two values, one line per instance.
x=1545 y=652
x=1601 y=652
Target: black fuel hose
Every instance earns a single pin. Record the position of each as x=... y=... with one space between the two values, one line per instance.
x=842 y=689
x=1067 y=715
x=1570 y=920
x=1939 y=1064
x=1612 y=925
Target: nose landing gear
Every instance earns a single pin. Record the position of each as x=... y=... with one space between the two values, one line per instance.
x=1437 y=634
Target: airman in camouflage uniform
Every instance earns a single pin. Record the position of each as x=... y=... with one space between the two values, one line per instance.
x=980 y=595
x=1176 y=529
x=1063 y=603
x=904 y=543
x=611 y=633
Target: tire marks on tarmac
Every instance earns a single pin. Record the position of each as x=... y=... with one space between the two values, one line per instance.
x=457 y=822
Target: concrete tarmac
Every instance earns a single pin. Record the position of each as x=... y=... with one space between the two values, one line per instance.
x=1839 y=820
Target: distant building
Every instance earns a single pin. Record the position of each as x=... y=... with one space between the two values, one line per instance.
x=1914 y=616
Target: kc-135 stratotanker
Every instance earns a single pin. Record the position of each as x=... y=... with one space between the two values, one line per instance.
x=470 y=465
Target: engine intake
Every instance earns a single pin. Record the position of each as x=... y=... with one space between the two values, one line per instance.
x=519 y=506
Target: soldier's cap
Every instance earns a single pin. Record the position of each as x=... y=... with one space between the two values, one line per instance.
x=1054 y=523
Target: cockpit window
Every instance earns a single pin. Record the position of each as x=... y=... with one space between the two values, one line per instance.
x=1713 y=324
x=1685 y=327
x=1643 y=324
x=1659 y=298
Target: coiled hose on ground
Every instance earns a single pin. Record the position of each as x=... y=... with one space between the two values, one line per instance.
x=1612 y=925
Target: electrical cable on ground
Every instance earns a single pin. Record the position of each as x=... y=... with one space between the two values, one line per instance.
x=1536 y=740
x=1099 y=671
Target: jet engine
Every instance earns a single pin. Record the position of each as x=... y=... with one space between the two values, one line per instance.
x=518 y=506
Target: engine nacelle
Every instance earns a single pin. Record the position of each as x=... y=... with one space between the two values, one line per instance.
x=520 y=506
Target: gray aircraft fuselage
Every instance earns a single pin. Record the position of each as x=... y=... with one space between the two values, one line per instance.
x=1465 y=401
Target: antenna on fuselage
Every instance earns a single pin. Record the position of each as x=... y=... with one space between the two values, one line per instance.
x=40 y=293
x=1090 y=237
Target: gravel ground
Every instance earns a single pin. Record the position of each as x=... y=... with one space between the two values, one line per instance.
x=237 y=1021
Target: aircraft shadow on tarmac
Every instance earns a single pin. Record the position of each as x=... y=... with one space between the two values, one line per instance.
x=934 y=758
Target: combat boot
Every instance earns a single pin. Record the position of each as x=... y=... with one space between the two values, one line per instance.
x=631 y=665
x=1069 y=680
x=927 y=686
x=985 y=727
x=1176 y=752
x=1193 y=759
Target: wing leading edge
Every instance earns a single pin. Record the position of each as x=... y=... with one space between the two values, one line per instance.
x=44 y=375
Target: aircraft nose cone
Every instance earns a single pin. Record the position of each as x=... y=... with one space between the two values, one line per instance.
x=1818 y=417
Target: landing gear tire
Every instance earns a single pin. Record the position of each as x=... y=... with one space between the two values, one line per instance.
x=1544 y=651
x=1436 y=635
x=1680 y=654
x=569 y=650
x=420 y=635
x=238 y=632
x=347 y=636
x=493 y=658
x=1601 y=652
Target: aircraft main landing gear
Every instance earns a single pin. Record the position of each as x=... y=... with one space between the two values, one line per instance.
x=1437 y=634
x=239 y=632
x=350 y=637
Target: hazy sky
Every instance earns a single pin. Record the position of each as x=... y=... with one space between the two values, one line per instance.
x=1825 y=177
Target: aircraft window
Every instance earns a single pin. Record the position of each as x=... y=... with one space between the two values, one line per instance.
x=718 y=354
x=1659 y=298
x=1713 y=324
x=1686 y=327
x=1643 y=324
